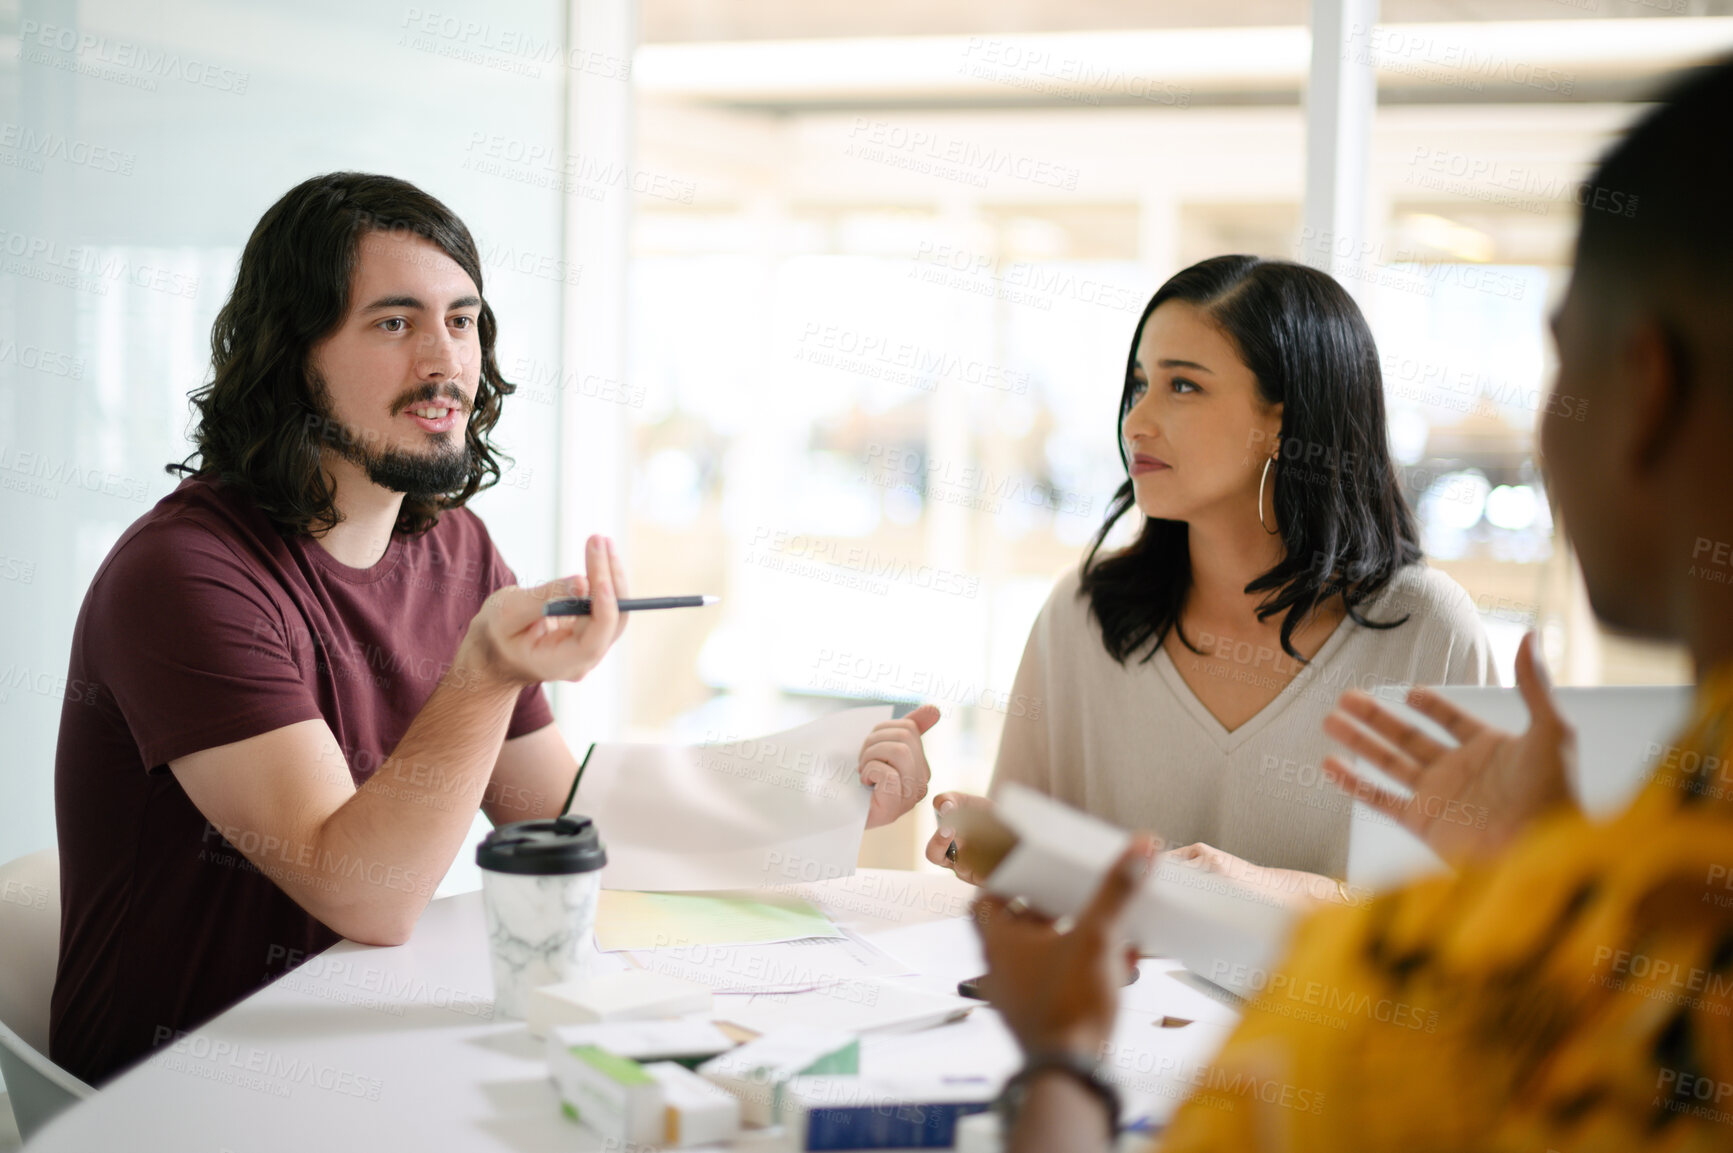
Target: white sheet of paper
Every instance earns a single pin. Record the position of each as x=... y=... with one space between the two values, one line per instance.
x=863 y=1006
x=737 y=815
x=814 y=963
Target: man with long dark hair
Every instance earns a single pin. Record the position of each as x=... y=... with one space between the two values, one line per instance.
x=1570 y=987
x=309 y=665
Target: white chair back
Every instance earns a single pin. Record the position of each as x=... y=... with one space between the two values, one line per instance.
x=29 y=947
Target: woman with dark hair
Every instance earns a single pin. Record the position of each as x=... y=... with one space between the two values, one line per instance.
x=1183 y=679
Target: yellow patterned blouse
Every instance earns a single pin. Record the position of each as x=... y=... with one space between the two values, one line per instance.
x=1575 y=995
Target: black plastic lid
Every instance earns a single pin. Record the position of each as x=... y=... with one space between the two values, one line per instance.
x=567 y=844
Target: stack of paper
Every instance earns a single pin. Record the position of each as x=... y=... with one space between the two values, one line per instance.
x=865 y=1006
x=637 y=920
x=804 y=966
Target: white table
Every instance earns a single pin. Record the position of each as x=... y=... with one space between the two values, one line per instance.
x=396 y=1049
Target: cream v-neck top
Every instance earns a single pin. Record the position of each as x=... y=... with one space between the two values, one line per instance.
x=1133 y=745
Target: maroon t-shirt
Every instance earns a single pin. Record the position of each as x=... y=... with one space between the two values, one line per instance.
x=205 y=625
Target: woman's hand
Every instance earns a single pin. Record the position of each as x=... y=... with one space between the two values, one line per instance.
x=939 y=850
x=894 y=765
x=1284 y=886
x=1471 y=798
x=1060 y=991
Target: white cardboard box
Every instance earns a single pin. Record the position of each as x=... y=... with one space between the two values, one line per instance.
x=634 y=995
x=697 y=1111
x=1220 y=928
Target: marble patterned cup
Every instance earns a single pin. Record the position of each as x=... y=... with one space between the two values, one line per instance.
x=540 y=882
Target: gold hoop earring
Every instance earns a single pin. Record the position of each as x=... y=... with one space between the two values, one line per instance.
x=1261 y=480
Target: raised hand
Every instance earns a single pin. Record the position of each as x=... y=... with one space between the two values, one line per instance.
x=939 y=846
x=894 y=763
x=1471 y=798
x=510 y=641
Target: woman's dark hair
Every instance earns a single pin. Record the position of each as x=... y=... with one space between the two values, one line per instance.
x=1343 y=520
x=260 y=420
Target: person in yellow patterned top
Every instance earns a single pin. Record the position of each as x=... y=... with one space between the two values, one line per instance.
x=1569 y=986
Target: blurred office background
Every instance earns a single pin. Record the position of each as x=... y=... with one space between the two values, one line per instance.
x=822 y=307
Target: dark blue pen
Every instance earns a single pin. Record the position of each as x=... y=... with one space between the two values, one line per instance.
x=580 y=606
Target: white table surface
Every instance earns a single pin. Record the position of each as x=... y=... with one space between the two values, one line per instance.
x=384 y=1049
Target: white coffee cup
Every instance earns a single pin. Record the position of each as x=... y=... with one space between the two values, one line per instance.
x=540 y=882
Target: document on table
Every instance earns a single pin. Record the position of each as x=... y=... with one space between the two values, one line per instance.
x=863 y=1006
x=736 y=815
x=813 y=964
x=633 y=920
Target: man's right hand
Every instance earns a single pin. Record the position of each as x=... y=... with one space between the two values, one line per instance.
x=1471 y=798
x=510 y=642
x=945 y=805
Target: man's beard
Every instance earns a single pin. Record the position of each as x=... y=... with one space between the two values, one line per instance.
x=442 y=470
